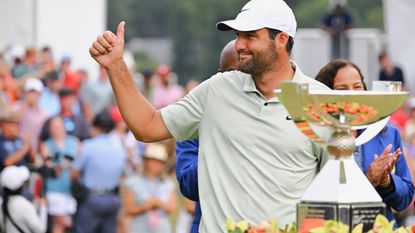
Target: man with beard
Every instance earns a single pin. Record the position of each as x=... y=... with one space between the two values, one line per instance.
x=254 y=163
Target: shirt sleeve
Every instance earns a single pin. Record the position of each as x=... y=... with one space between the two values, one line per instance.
x=80 y=160
x=130 y=183
x=186 y=168
x=401 y=197
x=182 y=118
x=37 y=223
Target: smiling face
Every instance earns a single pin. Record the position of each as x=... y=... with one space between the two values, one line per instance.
x=340 y=74
x=348 y=78
x=153 y=167
x=256 y=52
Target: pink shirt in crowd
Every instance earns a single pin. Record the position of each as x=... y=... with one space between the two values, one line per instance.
x=165 y=95
x=31 y=122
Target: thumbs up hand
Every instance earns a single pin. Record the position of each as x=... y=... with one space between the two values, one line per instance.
x=108 y=48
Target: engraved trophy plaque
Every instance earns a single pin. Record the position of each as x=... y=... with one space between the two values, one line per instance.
x=340 y=191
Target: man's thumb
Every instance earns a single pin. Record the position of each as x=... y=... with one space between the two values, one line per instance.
x=120 y=30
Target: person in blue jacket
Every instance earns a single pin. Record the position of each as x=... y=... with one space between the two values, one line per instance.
x=187 y=151
x=186 y=173
x=380 y=158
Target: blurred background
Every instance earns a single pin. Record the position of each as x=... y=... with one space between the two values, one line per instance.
x=52 y=90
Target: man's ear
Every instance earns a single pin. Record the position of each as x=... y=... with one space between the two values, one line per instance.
x=281 y=40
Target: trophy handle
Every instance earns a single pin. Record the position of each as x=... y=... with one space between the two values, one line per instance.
x=371 y=131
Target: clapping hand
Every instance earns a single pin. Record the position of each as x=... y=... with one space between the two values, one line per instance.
x=379 y=170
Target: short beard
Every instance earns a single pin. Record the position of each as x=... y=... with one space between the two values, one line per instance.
x=261 y=62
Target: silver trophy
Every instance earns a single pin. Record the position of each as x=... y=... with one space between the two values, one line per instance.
x=340 y=191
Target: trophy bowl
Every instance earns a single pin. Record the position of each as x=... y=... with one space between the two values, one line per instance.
x=331 y=107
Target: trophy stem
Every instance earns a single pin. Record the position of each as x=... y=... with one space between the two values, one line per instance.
x=342 y=173
x=341 y=143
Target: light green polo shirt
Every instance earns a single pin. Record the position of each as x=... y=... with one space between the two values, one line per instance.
x=254 y=164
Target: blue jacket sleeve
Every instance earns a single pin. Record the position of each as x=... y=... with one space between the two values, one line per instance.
x=401 y=196
x=404 y=188
x=186 y=168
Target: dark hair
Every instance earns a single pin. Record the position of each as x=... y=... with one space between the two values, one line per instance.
x=46 y=49
x=329 y=71
x=65 y=91
x=147 y=73
x=52 y=75
x=272 y=33
x=103 y=121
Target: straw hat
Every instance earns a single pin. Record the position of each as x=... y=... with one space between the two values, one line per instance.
x=156 y=151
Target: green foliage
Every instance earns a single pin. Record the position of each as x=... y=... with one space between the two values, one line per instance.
x=144 y=60
x=191 y=25
x=145 y=18
x=368 y=13
x=197 y=43
x=309 y=13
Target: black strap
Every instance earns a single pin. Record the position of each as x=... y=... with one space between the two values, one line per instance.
x=12 y=221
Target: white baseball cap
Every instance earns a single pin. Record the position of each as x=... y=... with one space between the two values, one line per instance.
x=258 y=14
x=33 y=84
x=156 y=151
x=13 y=177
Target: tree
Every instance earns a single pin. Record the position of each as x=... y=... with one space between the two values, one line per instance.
x=197 y=43
x=191 y=26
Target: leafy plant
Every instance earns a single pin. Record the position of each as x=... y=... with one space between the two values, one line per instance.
x=381 y=225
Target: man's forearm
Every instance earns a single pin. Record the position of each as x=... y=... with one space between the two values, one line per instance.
x=17 y=156
x=144 y=122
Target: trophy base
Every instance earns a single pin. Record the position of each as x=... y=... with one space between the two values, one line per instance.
x=350 y=214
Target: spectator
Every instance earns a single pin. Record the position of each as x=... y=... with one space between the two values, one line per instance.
x=409 y=128
x=71 y=79
x=336 y=22
x=49 y=100
x=125 y=140
x=165 y=92
x=151 y=196
x=148 y=85
x=85 y=107
x=59 y=151
x=8 y=86
x=75 y=125
x=46 y=59
x=14 y=150
x=228 y=58
x=99 y=167
x=28 y=67
x=17 y=213
x=98 y=94
x=32 y=116
x=388 y=172
x=190 y=85
x=389 y=72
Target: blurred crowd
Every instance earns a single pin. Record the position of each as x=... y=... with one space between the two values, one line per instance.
x=86 y=170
